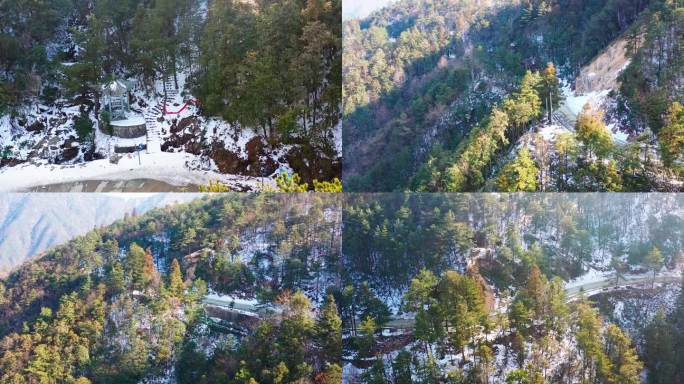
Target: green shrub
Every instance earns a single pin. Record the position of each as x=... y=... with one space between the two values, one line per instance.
x=84 y=127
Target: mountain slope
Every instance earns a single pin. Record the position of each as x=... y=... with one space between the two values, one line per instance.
x=505 y=287
x=32 y=223
x=420 y=76
x=125 y=303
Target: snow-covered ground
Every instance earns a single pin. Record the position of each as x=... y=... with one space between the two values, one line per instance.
x=37 y=140
x=552 y=131
x=575 y=103
x=232 y=300
x=592 y=276
x=171 y=168
x=131 y=120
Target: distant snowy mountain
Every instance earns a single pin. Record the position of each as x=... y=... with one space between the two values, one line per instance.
x=31 y=223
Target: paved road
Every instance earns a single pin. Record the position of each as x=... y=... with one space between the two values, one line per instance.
x=231 y=304
x=608 y=283
x=564 y=117
x=605 y=284
x=563 y=121
x=135 y=185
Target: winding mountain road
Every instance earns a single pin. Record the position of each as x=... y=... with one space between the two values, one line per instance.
x=573 y=291
x=235 y=305
x=609 y=283
x=606 y=283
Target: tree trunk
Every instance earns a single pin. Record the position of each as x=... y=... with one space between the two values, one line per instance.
x=175 y=72
x=263 y=127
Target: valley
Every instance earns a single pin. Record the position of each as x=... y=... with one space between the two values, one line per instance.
x=463 y=96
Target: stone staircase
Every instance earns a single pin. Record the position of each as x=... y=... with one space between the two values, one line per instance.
x=154 y=138
x=170 y=92
x=154 y=132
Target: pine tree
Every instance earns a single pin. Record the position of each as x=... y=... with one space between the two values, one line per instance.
x=659 y=350
x=485 y=356
x=551 y=89
x=520 y=175
x=369 y=304
x=671 y=136
x=625 y=361
x=366 y=339
x=461 y=301
x=517 y=376
x=151 y=276
x=535 y=292
x=110 y=251
x=595 y=363
x=557 y=318
x=116 y=281
x=654 y=261
x=187 y=238
x=243 y=376
x=135 y=266
x=376 y=374
x=85 y=76
x=419 y=299
x=295 y=336
x=567 y=150
x=176 y=285
x=524 y=105
x=329 y=331
x=519 y=316
x=331 y=375
x=279 y=374
x=593 y=134
x=401 y=368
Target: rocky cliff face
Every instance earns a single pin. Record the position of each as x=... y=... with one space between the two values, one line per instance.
x=603 y=71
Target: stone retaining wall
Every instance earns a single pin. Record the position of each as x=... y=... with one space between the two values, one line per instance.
x=130 y=149
x=129 y=132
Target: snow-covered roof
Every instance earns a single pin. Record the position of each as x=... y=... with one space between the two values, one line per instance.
x=116 y=87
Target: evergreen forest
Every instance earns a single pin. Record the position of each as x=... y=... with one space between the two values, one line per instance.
x=525 y=95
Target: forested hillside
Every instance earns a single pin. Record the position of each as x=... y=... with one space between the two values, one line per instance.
x=449 y=95
x=376 y=288
x=32 y=223
x=500 y=288
x=128 y=303
x=248 y=88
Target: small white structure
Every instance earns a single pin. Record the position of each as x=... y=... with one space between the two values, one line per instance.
x=116 y=99
x=123 y=123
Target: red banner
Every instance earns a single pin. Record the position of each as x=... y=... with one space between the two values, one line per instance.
x=193 y=101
